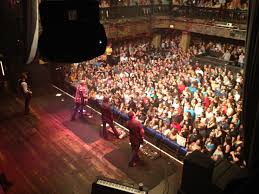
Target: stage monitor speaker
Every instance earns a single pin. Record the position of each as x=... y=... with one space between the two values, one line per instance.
x=225 y=173
x=197 y=173
x=108 y=186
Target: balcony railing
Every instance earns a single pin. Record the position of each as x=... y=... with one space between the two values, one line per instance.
x=213 y=14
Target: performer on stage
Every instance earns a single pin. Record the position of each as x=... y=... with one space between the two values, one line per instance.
x=80 y=99
x=27 y=93
x=107 y=117
x=136 y=137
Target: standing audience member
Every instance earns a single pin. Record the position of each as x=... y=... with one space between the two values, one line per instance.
x=108 y=53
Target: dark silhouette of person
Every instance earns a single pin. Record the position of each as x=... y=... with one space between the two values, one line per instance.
x=27 y=93
x=136 y=138
x=107 y=117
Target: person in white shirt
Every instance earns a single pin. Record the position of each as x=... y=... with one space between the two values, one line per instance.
x=241 y=59
x=209 y=113
x=226 y=55
x=199 y=71
x=198 y=109
x=222 y=3
x=27 y=93
x=218 y=153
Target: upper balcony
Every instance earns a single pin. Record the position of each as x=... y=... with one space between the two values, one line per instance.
x=236 y=16
x=120 y=21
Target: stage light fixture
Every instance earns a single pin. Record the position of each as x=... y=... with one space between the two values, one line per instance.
x=71 y=31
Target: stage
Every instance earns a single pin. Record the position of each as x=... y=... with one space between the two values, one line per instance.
x=45 y=152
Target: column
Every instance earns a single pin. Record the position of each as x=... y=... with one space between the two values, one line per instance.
x=156 y=40
x=185 y=40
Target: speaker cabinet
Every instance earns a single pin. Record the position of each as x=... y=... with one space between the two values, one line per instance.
x=197 y=173
x=226 y=173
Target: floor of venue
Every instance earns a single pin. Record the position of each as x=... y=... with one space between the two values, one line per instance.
x=45 y=152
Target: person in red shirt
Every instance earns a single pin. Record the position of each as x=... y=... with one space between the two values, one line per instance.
x=80 y=99
x=107 y=117
x=145 y=100
x=136 y=138
x=206 y=101
x=181 y=86
x=176 y=126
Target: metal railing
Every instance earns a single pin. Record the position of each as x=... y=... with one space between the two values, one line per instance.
x=215 y=61
x=213 y=14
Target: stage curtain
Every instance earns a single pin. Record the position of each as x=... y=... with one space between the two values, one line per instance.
x=251 y=88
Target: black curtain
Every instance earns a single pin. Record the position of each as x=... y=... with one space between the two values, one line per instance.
x=11 y=30
x=251 y=88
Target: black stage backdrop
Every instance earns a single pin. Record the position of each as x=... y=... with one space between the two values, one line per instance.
x=251 y=88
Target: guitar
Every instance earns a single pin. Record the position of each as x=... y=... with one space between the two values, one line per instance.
x=83 y=98
x=29 y=92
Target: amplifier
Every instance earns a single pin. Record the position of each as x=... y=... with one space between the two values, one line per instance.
x=106 y=186
x=197 y=173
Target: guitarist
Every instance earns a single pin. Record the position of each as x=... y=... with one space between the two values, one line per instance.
x=136 y=137
x=80 y=99
x=27 y=93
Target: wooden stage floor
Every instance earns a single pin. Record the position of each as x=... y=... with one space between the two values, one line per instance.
x=46 y=153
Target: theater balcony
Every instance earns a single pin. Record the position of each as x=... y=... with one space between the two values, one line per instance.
x=123 y=21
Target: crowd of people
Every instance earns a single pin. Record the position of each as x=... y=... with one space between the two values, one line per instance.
x=224 y=51
x=237 y=9
x=171 y=94
x=227 y=4
x=110 y=3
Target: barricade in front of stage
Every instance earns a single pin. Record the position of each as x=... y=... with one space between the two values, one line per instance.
x=158 y=136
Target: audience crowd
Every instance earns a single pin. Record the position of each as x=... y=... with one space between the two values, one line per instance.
x=110 y=3
x=178 y=97
x=225 y=51
x=227 y=4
